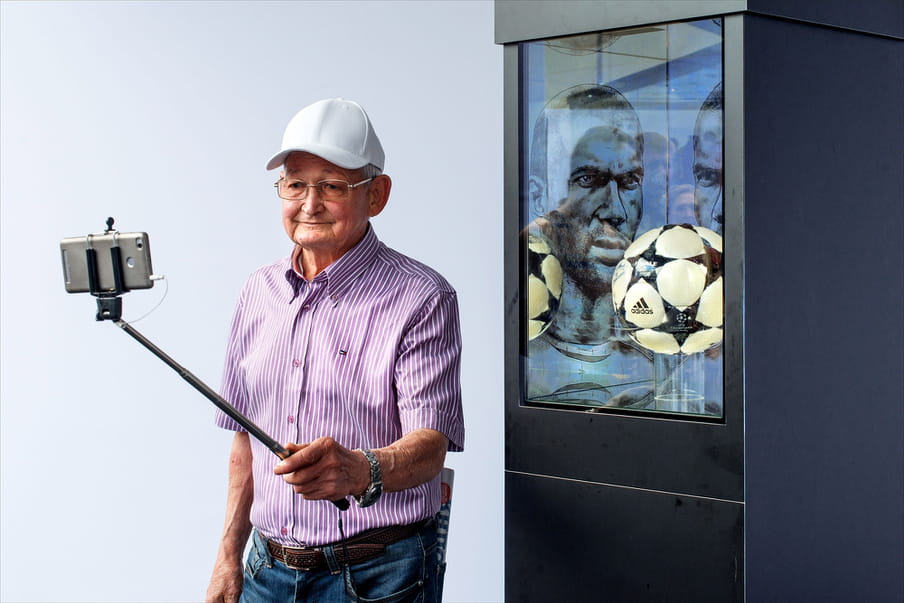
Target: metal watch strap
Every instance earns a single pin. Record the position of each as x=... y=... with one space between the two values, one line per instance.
x=375 y=488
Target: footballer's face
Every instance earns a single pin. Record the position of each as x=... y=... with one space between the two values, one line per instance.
x=708 y=171
x=598 y=219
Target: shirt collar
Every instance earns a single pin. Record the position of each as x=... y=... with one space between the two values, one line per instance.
x=343 y=272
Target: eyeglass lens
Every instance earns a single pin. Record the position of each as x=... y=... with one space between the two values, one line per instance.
x=298 y=189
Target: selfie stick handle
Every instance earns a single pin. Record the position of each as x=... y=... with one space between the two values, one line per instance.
x=220 y=403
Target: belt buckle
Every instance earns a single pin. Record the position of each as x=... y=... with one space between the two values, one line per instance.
x=292 y=566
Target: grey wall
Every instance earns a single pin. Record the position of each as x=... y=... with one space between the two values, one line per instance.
x=163 y=114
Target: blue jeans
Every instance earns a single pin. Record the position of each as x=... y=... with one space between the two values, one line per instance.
x=407 y=571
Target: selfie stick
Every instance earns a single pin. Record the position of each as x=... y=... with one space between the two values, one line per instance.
x=109 y=307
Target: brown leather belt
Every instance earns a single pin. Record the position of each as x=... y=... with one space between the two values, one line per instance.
x=357 y=549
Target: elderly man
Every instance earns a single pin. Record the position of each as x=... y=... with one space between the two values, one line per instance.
x=351 y=350
x=581 y=358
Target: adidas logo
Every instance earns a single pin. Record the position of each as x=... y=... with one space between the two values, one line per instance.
x=641 y=307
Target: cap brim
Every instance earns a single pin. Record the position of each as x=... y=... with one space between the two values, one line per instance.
x=335 y=156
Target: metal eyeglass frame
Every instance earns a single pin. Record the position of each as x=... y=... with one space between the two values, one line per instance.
x=318 y=186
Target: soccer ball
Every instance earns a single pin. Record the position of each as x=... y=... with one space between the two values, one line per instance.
x=544 y=286
x=667 y=290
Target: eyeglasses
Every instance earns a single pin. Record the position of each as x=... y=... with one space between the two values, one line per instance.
x=331 y=190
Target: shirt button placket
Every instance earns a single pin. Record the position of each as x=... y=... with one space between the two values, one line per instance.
x=300 y=344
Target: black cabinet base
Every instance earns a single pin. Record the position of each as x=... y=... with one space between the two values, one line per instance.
x=578 y=541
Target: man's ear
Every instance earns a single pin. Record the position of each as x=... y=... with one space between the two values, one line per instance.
x=536 y=196
x=378 y=194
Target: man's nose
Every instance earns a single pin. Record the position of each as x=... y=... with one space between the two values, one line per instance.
x=611 y=206
x=608 y=194
x=312 y=202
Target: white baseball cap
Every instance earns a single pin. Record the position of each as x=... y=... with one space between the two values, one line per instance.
x=335 y=129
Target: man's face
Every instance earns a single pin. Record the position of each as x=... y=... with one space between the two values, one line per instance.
x=326 y=228
x=708 y=171
x=682 y=207
x=598 y=219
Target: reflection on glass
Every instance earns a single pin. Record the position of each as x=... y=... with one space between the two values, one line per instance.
x=708 y=162
x=623 y=133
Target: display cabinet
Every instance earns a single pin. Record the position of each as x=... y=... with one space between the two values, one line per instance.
x=677 y=266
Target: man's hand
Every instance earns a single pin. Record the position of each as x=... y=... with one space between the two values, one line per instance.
x=227 y=578
x=225 y=583
x=324 y=469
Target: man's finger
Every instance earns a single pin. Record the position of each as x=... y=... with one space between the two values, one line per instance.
x=299 y=459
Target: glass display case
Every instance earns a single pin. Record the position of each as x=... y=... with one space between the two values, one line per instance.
x=621 y=144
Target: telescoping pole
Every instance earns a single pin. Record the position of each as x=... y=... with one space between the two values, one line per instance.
x=211 y=395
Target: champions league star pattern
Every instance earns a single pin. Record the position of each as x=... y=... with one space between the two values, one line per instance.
x=668 y=289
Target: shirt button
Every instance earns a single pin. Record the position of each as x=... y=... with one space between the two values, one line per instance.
x=290 y=419
x=284 y=531
x=296 y=363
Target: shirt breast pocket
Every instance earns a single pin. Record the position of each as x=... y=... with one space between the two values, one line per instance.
x=363 y=362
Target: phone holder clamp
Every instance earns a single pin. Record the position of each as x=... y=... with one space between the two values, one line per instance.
x=109 y=303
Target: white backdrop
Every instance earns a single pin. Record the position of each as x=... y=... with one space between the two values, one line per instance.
x=162 y=114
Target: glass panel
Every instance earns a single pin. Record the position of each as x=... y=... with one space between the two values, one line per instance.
x=621 y=218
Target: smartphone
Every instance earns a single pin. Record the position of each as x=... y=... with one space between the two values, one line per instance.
x=134 y=253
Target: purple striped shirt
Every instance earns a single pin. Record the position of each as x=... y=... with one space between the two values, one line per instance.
x=366 y=352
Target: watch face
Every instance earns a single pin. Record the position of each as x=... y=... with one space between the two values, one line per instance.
x=370 y=496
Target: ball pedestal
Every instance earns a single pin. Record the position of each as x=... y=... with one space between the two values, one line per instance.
x=678 y=382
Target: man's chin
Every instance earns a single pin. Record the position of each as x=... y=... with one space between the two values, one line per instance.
x=594 y=281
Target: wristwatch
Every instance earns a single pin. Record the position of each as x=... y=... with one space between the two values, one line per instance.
x=375 y=488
